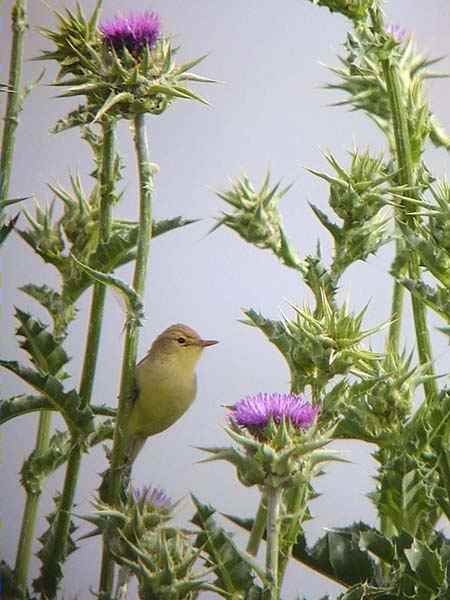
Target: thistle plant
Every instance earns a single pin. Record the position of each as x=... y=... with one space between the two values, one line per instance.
x=86 y=243
x=125 y=67
x=362 y=394
x=15 y=96
x=279 y=449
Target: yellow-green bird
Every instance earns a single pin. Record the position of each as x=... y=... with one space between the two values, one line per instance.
x=166 y=384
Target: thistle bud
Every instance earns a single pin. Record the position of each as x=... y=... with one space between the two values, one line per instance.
x=353 y=9
x=357 y=195
x=256 y=217
x=133 y=522
x=164 y=567
x=363 y=79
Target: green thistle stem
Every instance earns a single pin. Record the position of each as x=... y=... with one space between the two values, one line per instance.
x=13 y=104
x=407 y=178
x=258 y=529
x=59 y=544
x=273 y=496
x=127 y=383
x=107 y=181
x=296 y=507
x=49 y=578
x=26 y=536
x=398 y=295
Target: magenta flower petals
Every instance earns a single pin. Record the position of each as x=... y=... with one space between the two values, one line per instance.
x=133 y=32
x=255 y=412
x=152 y=496
x=398 y=33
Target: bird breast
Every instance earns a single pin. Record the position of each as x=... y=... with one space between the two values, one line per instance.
x=165 y=392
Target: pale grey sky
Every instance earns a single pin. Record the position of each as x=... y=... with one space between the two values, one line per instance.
x=271 y=111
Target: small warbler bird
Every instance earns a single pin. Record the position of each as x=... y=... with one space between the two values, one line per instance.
x=166 y=384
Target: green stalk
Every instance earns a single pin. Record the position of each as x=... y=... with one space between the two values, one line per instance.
x=127 y=383
x=59 y=543
x=406 y=177
x=26 y=537
x=13 y=104
x=258 y=529
x=398 y=296
x=273 y=496
x=294 y=508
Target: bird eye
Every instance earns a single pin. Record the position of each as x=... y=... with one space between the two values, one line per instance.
x=181 y=340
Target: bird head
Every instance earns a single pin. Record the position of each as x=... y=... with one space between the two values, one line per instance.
x=180 y=343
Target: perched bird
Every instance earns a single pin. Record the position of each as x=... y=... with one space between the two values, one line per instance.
x=166 y=384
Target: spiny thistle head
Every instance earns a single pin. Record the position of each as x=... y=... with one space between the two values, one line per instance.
x=123 y=67
x=390 y=386
x=256 y=217
x=277 y=440
x=357 y=195
x=146 y=508
x=164 y=565
x=431 y=241
x=379 y=405
x=133 y=32
x=75 y=232
x=363 y=79
x=399 y=34
x=141 y=513
x=256 y=412
x=353 y=9
x=319 y=345
x=151 y=498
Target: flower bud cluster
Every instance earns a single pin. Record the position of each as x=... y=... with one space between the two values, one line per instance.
x=320 y=344
x=276 y=440
x=384 y=399
x=256 y=217
x=327 y=344
x=44 y=236
x=133 y=522
x=362 y=78
x=75 y=232
x=164 y=566
x=431 y=241
x=123 y=67
x=357 y=196
x=162 y=558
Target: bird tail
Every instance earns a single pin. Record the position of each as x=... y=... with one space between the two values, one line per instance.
x=135 y=445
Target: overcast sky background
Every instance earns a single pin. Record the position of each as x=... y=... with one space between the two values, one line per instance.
x=271 y=112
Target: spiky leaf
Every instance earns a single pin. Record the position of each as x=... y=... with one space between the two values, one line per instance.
x=44 y=350
x=232 y=569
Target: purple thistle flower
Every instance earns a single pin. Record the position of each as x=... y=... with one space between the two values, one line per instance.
x=153 y=496
x=255 y=412
x=398 y=33
x=133 y=32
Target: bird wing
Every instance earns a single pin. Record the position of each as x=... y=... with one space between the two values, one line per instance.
x=135 y=391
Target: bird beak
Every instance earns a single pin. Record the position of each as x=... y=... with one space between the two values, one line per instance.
x=205 y=343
